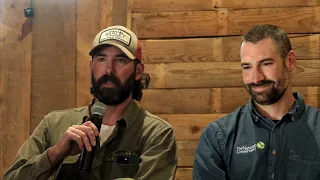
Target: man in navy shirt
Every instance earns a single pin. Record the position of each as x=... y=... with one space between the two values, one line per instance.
x=276 y=135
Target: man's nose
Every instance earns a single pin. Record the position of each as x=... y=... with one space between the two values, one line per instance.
x=109 y=66
x=257 y=76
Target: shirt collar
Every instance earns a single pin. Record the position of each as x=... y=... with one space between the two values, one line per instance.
x=296 y=110
x=129 y=115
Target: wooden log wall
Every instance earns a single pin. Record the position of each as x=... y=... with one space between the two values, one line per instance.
x=190 y=49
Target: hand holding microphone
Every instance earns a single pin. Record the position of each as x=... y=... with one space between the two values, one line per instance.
x=97 y=110
x=79 y=137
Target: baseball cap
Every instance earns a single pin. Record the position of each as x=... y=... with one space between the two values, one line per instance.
x=120 y=37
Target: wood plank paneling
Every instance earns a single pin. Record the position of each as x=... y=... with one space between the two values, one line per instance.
x=219 y=74
x=224 y=22
x=192 y=5
x=238 y=4
x=53 y=57
x=217 y=49
x=208 y=100
x=120 y=12
x=186 y=150
x=96 y=15
x=193 y=75
x=175 y=101
x=183 y=174
x=169 y=5
x=189 y=126
x=15 y=75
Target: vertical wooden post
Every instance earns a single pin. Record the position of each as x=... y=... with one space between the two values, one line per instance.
x=15 y=73
x=53 y=57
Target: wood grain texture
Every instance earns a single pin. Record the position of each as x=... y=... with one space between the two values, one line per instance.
x=53 y=58
x=208 y=100
x=120 y=12
x=15 y=76
x=169 y=5
x=186 y=151
x=223 y=22
x=193 y=5
x=220 y=49
x=239 y=4
x=183 y=174
x=219 y=74
x=189 y=126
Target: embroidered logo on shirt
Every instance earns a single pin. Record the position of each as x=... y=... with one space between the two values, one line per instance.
x=248 y=149
x=260 y=145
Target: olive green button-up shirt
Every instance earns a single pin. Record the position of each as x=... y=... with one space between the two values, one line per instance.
x=138 y=133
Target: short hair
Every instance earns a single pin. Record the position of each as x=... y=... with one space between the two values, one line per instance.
x=278 y=36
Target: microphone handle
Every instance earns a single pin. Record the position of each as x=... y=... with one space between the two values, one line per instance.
x=86 y=157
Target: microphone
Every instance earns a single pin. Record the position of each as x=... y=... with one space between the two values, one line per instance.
x=98 y=109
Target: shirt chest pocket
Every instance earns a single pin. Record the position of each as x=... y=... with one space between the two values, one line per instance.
x=123 y=170
x=303 y=165
x=122 y=164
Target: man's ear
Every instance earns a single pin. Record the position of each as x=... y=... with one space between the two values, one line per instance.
x=139 y=71
x=292 y=61
x=90 y=65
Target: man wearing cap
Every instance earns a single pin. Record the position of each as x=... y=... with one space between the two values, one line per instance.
x=132 y=143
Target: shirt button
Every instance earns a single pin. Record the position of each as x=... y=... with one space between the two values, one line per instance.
x=274 y=152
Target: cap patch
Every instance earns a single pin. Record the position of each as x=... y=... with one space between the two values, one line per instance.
x=115 y=34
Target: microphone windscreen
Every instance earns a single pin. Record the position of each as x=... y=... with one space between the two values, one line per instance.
x=98 y=108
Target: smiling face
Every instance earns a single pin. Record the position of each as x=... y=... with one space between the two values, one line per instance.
x=265 y=74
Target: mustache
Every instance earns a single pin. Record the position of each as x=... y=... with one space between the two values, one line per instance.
x=261 y=83
x=112 y=78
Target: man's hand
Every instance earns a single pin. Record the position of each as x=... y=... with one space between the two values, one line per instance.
x=73 y=141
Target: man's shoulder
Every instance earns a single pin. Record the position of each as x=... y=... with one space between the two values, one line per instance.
x=68 y=112
x=313 y=114
x=312 y=109
x=230 y=122
x=69 y=116
x=152 y=120
x=232 y=118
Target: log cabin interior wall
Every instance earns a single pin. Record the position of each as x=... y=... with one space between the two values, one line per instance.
x=190 y=49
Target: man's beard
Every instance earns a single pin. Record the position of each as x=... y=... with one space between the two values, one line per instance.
x=269 y=96
x=115 y=95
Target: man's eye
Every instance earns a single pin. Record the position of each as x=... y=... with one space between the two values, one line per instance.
x=122 y=60
x=100 y=59
x=245 y=67
x=266 y=64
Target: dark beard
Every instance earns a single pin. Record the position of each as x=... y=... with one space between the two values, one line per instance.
x=112 y=96
x=270 y=96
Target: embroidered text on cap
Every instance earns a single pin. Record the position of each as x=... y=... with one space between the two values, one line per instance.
x=115 y=34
